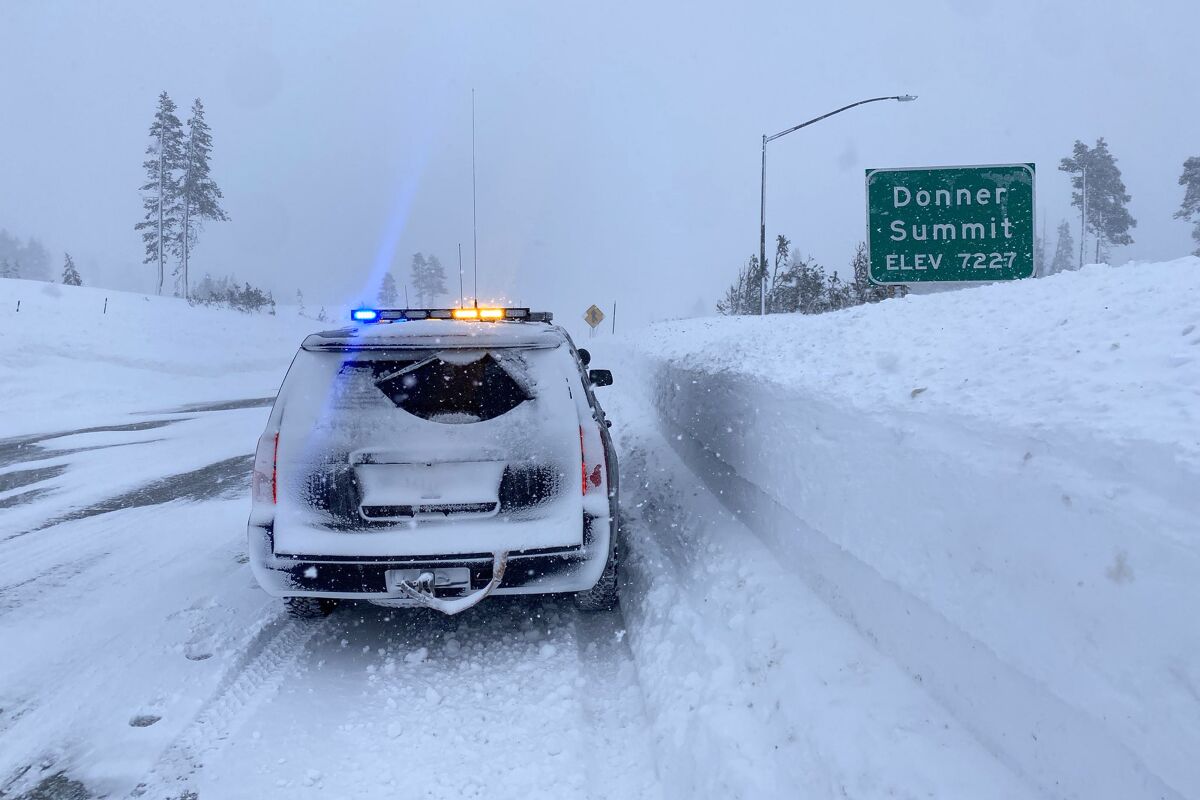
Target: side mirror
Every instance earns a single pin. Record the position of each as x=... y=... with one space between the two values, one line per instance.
x=600 y=377
x=585 y=357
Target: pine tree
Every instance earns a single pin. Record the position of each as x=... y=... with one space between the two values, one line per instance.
x=1189 y=209
x=802 y=288
x=160 y=192
x=783 y=262
x=7 y=270
x=862 y=290
x=428 y=279
x=812 y=287
x=1099 y=195
x=37 y=261
x=785 y=291
x=204 y=291
x=321 y=315
x=199 y=195
x=29 y=259
x=9 y=246
x=417 y=275
x=837 y=292
x=226 y=291
x=1064 y=250
x=742 y=293
x=860 y=283
x=436 y=287
x=70 y=276
x=387 y=291
x=300 y=302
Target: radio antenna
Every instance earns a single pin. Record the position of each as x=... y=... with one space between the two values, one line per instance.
x=474 y=233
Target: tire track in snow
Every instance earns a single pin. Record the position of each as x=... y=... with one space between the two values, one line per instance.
x=518 y=697
x=24 y=485
x=102 y=648
x=61 y=574
x=222 y=479
x=611 y=703
x=18 y=449
x=250 y=680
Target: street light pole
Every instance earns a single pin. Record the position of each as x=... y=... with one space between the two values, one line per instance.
x=762 y=233
x=762 y=219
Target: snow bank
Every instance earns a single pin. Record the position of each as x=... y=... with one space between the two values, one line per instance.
x=66 y=362
x=995 y=485
x=1113 y=351
x=755 y=688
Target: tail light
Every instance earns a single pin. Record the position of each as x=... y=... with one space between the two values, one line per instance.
x=266 y=460
x=593 y=461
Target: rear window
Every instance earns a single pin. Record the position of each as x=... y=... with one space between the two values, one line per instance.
x=449 y=388
x=402 y=388
x=341 y=410
x=367 y=436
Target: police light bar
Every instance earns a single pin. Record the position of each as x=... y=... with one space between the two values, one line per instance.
x=488 y=314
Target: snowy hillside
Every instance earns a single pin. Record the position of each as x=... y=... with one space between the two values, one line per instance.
x=67 y=361
x=997 y=486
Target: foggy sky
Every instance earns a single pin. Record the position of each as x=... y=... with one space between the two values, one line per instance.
x=617 y=144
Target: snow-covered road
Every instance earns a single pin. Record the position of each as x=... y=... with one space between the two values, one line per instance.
x=141 y=660
x=513 y=699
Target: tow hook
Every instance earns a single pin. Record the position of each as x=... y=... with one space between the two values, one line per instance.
x=420 y=591
x=425 y=583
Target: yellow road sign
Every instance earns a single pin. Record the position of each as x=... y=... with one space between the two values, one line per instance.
x=593 y=316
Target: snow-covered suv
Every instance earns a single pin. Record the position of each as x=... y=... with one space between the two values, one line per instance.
x=432 y=457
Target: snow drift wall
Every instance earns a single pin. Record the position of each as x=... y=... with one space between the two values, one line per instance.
x=998 y=486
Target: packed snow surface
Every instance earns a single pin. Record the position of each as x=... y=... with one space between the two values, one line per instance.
x=937 y=547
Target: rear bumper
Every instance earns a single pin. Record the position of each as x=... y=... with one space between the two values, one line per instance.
x=545 y=571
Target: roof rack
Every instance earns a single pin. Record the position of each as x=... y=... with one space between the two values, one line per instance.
x=372 y=315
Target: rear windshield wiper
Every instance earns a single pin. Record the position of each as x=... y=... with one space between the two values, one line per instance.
x=404 y=371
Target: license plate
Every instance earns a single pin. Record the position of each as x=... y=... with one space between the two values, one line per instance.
x=446 y=578
x=446 y=483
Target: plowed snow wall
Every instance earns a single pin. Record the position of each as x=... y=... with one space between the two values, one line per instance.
x=1042 y=586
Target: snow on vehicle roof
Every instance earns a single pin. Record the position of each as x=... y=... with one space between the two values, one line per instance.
x=438 y=333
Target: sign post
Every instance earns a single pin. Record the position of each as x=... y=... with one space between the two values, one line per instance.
x=950 y=224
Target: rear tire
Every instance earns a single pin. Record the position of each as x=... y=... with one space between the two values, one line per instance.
x=309 y=607
x=604 y=596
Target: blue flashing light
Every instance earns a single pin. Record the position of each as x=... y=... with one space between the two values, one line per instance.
x=364 y=315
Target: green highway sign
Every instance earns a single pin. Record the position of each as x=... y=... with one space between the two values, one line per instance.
x=950 y=224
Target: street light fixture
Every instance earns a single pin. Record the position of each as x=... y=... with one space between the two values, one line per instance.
x=762 y=220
